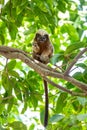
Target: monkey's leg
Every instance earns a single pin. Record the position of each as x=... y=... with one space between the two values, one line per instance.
x=46 y=104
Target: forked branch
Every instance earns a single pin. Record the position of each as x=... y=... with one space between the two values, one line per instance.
x=44 y=70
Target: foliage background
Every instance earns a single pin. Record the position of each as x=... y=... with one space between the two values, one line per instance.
x=66 y=22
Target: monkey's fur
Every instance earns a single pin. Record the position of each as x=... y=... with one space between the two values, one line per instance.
x=42 y=47
x=42 y=51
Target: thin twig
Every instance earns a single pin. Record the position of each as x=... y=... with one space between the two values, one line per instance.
x=75 y=60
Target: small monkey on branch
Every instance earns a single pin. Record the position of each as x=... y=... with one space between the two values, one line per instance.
x=43 y=51
x=42 y=47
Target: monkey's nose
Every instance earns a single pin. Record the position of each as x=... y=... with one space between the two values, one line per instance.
x=43 y=39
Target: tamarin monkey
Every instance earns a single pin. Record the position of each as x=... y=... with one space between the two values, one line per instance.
x=42 y=51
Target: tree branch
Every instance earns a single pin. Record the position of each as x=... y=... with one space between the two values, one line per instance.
x=65 y=89
x=43 y=70
x=75 y=60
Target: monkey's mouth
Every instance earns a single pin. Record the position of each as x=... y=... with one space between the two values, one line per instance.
x=41 y=41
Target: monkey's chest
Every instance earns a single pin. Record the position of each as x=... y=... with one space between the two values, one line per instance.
x=42 y=48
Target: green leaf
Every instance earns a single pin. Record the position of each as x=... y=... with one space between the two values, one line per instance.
x=78 y=76
x=34 y=101
x=19 y=19
x=12 y=30
x=24 y=108
x=62 y=6
x=17 y=2
x=1 y=128
x=17 y=125
x=82 y=101
x=75 y=46
x=69 y=28
x=57 y=57
x=4 y=79
x=10 y=66
x=77 y=106
x=82 y=65
x=82 y=117
x=30 y=30
x=2 y=2
x=18 y=92
x=14 y=73
x=2 y=39
x=42 y=17
x=32 y=126
x=85 y=75
x=1 y=98
x=56 y=118
x=7 y=83
x=42 y=116
x=10 y=105
x=61 y=102
x=2 y=108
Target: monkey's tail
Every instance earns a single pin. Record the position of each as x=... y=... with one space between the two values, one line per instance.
x=46 y=104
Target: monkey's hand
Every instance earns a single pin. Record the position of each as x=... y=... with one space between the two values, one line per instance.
x=35 y=48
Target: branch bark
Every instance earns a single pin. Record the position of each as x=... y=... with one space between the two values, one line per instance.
x=43 y=70
x=65 y=89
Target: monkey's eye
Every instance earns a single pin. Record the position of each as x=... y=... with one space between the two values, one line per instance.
x=38 y=35
x=46 y=36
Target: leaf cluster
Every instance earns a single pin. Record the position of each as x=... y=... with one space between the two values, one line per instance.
x=65 y=21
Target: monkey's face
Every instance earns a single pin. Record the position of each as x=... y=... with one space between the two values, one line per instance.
x=41 y=38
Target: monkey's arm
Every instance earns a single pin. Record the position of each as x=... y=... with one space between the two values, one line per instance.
x=35 y=48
